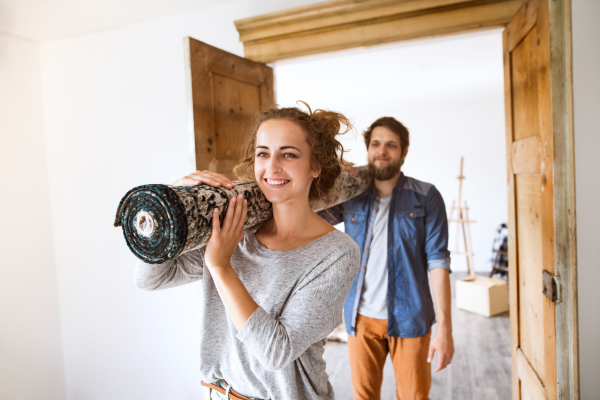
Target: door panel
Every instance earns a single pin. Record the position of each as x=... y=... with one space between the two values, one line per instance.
x=531 y=200
x=525 y=88
x=529 y=236
x=224 y=92
x=235 y=105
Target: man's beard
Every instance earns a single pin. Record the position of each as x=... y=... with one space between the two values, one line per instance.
x=384 y=173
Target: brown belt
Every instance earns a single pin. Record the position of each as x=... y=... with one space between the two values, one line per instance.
x=232 y=393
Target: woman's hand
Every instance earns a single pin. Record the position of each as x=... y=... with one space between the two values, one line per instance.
x=238 y=303
x=205 y=177
x=224 y=240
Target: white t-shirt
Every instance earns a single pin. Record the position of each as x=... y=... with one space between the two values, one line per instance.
x=373 y=300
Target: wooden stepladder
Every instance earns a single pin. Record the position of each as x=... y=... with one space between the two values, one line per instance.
x=462 y=223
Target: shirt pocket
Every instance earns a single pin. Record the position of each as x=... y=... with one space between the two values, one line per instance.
x=411 y=223
x=355 y=223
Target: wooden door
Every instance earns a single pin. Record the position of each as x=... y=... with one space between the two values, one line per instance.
x=224 y=93
x=529 y=143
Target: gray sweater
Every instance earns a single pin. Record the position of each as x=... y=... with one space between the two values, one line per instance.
x=278 y=353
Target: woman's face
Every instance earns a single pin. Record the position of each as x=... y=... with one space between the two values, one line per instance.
x=282 y=161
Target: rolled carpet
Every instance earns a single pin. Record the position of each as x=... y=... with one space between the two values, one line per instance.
x=161 y=222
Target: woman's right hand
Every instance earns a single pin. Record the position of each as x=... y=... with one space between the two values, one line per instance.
x=205 y=177
x=225 y=239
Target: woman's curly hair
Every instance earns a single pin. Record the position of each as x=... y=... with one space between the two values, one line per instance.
x=326 y=152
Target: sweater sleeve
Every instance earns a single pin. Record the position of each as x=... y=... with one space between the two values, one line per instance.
x=184 y=269
x=309 y=315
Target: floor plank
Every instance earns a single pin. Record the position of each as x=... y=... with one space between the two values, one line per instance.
x=480 y=368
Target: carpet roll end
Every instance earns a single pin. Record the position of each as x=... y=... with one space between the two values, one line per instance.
x=154 y=223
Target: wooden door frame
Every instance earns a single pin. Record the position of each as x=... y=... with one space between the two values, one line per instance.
x=344 y=24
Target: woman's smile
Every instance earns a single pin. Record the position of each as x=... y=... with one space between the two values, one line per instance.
x=276 y=183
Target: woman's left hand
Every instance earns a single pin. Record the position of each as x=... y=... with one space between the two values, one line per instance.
x=224 y=240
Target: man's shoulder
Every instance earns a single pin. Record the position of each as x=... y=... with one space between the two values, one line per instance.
x=356 y=201
x=417 y=186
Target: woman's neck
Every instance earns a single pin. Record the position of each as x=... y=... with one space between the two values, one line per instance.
x=292 y=220
x=294 y=223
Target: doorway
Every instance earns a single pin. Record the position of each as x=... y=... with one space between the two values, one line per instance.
x=539 y=142
x=449 y=92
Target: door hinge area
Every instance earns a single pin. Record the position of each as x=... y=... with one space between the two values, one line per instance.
x=551 y=284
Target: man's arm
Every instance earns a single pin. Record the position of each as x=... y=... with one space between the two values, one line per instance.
x=442 y=342
x=438 y=260
x=334 y=215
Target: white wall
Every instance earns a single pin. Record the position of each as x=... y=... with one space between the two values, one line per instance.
x=31 y=363
x=448 y=92
x=115 y=117
x=586 y=59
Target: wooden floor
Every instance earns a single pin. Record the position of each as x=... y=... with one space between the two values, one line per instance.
x=480 y=368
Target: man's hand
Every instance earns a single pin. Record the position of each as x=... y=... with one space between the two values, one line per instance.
x=442 y=342
x=205 y=177
x=349 y=166
x=444 y=345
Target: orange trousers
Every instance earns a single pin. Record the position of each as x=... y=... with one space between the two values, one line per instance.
x=368 y=351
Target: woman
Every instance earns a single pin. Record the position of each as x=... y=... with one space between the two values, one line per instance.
x=271 y=293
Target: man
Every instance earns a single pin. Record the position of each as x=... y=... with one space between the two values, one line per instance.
x=401 y=227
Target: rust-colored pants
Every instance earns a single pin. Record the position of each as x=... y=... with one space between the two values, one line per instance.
x=368 y=351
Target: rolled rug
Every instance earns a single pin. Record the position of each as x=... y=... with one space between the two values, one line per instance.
x=161 y=222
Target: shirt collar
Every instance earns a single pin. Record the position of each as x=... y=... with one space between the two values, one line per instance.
x=401 y=181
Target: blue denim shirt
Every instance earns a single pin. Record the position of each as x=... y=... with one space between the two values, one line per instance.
x=417 y=242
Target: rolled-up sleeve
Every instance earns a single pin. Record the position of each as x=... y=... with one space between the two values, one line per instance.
x=439 y=263
x=436 y=231
x=309 y=316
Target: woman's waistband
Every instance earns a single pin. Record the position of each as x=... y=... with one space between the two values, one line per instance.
x=225 y=391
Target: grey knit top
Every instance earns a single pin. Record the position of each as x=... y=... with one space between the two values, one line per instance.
x=278 y=353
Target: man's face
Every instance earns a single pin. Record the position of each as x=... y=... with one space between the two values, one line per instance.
x=385 y=153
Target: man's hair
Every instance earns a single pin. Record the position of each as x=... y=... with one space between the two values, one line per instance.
x=393 y=125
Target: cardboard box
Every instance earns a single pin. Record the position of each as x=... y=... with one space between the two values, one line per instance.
x=482 y=295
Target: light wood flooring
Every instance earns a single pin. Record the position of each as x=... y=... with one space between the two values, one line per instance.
x=480 y=368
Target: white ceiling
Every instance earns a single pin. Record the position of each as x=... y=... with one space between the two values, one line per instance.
x=45 y=20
